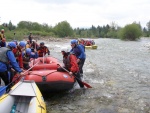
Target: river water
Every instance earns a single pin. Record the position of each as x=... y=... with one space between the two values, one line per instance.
x=118 y=71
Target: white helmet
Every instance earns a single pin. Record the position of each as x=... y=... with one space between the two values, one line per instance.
x=64 y=49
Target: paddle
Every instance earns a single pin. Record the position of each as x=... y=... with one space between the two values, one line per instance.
x=84 y=83
x=3 y=88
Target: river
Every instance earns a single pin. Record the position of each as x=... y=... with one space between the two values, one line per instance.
x=118 y=71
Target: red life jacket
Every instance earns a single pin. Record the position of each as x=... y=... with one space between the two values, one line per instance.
x=18 y=54
x=42 y=51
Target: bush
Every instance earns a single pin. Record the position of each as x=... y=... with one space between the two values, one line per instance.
x=130 y=32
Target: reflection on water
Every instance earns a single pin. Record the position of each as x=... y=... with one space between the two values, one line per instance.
x=119 y=72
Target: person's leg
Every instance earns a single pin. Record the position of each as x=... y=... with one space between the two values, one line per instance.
x=81 y=63
x=78 y=78
x=4 y=77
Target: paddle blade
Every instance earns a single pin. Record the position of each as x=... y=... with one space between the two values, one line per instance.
x=2 y=90
x=87 y=85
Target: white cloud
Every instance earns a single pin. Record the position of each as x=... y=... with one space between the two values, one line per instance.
x=79 y=13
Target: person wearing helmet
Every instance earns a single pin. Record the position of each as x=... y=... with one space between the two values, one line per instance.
x=2 y=39
x=79 y=51
x=27 y=55
x=8 y=61
x=70 y=64
x=28 y=45
x=16 y=42
x=43 y=50
x=3 y=42
x=82 y=41
x=18 y=53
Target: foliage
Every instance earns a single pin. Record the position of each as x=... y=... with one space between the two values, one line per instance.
x=130 y=32
x=148 y=28
x=63 y=29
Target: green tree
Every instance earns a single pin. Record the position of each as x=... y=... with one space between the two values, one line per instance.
x=36 y=26
x=145 y=32
x=148 y=27
x=63 y=29
x=130 y=32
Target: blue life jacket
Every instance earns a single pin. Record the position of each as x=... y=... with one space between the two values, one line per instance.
x=78 y=50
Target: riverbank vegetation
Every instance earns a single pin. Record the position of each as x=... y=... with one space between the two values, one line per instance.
x=63 y=29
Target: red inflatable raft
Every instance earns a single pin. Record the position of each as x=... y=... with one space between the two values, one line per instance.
x=51 y=80
x=44 y=63
x=44 y=73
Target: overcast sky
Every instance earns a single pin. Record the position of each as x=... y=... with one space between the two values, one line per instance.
x=79 y=13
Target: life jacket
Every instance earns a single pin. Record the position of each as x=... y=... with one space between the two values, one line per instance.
x=3 y=55
x=27 y=45
x=34 y=45
x=2 y=36
x=26 y=58
x=18 y=55
x=2 y=40
x=42 y=50
x=66 y=60
x=17 y=52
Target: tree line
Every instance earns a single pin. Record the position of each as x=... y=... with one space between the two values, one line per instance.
x=64 y=29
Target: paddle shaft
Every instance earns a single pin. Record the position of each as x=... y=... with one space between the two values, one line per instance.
x=87 y=85
x=23 y=73
x=1 y=90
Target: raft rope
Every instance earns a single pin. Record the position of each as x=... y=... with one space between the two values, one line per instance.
x=41 y=75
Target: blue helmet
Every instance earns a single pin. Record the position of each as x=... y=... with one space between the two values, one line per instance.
x=12 y=44
x=28 y=51
x=22 y=44
x=73 y=41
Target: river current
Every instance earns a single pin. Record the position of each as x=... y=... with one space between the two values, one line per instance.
x=118 y=71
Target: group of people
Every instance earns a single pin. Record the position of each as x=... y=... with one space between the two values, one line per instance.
x=24 y=52
x=74 y=60
x=87 y=42
x=15 y=57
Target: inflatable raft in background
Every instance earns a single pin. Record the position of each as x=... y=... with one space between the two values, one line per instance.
x=51 y=80
x=91 y=47
x=24 y=97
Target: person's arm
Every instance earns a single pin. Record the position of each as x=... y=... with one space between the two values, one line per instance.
x=81 y=52
x=13 y=62
x=20 y=60
x=34 y=55
x=47 y=50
